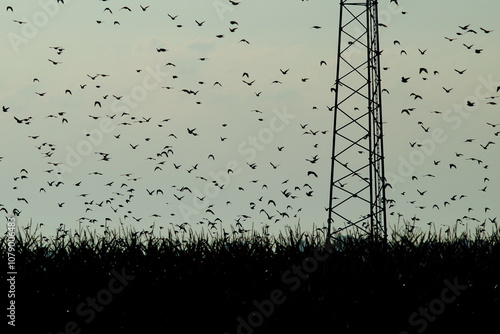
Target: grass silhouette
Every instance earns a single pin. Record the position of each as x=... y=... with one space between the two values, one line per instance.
x=205 y=283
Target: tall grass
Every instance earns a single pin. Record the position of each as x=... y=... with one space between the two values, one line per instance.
x=203 y=281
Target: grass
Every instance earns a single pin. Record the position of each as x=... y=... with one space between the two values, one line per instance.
x=203 y=282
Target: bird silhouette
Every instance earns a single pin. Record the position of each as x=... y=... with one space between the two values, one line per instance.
x=55 y=62
x=485 y=30
x=192 y=132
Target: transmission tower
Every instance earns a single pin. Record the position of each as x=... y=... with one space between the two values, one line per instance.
x=357 y=185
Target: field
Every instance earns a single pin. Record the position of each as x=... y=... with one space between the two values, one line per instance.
x=129 y=282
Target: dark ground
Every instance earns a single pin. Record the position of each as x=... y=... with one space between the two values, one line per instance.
x=433 y=287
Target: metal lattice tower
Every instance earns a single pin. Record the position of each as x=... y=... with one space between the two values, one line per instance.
x=357 y=185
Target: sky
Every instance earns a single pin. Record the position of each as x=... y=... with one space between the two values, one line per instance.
x=82 y=145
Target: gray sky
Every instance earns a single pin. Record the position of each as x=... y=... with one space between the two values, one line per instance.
x=280 y=37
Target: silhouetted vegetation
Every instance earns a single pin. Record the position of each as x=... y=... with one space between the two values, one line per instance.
x=198 y=283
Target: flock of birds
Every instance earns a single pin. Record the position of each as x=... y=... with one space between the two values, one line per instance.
x=474 y=156
x=107 y=198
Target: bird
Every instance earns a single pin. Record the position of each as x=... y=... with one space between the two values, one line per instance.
x=487 y=144
x=309 y=173
x=191 y=131
x=424 y=128
x=55 y=62
x=485 y=30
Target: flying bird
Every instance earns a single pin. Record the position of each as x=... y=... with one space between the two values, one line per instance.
x=191 y=132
